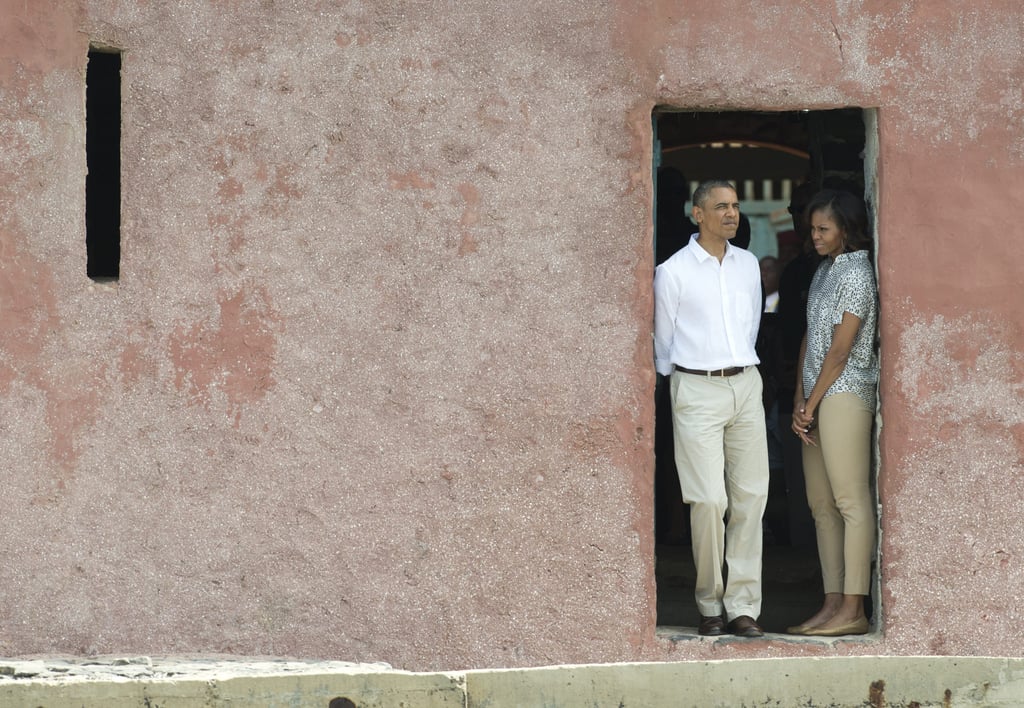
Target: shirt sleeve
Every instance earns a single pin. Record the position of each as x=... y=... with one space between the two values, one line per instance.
x=666 y=306
x=757 y=303
x=855 y=294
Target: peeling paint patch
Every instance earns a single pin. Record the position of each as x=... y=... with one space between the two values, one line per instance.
x=235 y=164
x=470 y=217
x=409 y=180
x=28 y=307
x=960 y=380
x=284 y=187
x=133 y=364
x=232 y=358
x=230 y=189
x=136 y=365
x=71 y=405
x=495 y=112
x=946 y=368
x=986 y=67
x=36 y=39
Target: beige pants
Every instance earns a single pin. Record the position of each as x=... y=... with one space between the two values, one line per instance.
x=837 y=473
x=721 y=453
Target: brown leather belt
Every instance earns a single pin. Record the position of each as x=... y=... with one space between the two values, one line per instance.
x=731 y=371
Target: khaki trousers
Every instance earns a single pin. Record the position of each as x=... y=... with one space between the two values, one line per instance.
x=721 y=453
x=837 y=473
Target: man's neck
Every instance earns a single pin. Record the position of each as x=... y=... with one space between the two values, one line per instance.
x=714 y=246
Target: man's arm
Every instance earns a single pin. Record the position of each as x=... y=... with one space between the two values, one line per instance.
x=666 y=305
x=757 y=303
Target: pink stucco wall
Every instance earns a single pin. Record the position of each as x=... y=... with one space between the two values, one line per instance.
x=376 y=381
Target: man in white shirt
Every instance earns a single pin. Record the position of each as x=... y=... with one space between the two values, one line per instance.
x=707 y=308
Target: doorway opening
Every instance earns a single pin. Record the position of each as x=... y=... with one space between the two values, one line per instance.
x=770 y=157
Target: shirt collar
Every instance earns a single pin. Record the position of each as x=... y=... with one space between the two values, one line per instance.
x=703 y=255
x=852 y=256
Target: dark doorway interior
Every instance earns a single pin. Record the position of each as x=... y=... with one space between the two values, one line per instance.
x=767 y=155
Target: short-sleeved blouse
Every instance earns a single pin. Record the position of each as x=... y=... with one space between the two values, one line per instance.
x=846 y=284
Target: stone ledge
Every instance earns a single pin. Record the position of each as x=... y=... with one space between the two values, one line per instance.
x=836 y=682
x=140 y=667
x=220 y=683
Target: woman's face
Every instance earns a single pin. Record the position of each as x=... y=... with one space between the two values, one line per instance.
x=828 y=239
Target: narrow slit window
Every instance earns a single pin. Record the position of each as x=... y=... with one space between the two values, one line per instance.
x=103 y=162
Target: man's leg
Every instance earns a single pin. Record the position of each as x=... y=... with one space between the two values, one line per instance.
x=698 y=423
x=746 y=473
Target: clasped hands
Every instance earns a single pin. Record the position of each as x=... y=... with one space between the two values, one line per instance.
x=803 y=422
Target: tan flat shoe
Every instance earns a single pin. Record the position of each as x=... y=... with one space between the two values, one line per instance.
x=859 y=626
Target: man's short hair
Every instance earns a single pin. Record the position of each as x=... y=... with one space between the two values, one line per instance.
x=700 y=194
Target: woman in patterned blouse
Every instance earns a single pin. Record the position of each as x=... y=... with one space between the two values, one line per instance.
x=834 y=409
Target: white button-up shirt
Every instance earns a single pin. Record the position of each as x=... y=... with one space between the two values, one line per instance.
x=706 y=313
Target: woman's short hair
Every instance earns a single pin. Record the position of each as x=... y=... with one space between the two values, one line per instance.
x=849 y=214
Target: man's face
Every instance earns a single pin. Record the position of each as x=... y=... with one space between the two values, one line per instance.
x=719 y=215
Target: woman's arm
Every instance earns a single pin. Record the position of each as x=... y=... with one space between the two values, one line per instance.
x=843 y=336
x=798 y=399
x=801 y=424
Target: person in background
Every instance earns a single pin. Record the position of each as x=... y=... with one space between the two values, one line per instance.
x=707 y=306
x=769 y=351
x=834 y=408
x=791 y=320
x=770 y=281
x=673 y=226
x=743 y=233
x=790 y=244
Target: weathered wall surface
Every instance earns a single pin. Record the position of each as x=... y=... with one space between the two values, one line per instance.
x=375 y=383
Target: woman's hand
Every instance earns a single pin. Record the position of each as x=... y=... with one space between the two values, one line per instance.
x=803 y=423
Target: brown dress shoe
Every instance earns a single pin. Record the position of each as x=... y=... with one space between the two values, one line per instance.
x=744 y=626
x=711 y=626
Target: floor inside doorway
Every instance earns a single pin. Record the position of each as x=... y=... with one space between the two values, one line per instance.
x=791 y=581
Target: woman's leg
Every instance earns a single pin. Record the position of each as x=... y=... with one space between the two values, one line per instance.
x=845 y=440
x=828 y=526
x=828 y=522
